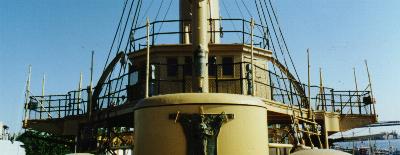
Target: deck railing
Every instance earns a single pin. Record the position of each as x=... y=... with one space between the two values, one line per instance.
x=234 y=78
x=235 y=31
x=58 y=106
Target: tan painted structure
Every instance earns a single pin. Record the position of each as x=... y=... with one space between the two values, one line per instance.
x=247 y=133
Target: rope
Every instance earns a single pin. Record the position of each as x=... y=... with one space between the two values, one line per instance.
x=284 y=41
x=247 y=9
x=229 y=16
x=165 y=16
x=115 y=35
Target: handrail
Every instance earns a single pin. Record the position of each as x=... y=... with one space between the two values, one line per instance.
x=234 y=81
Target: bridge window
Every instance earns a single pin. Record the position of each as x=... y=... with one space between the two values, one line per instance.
x=133 y=75
x=227 y=66
x=172 y=66
x=188 y=66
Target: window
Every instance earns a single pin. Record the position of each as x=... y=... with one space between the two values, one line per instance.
x=172 y=66
x=227 y=66
x=212 y=65
x=133 y=75
x=188 y=66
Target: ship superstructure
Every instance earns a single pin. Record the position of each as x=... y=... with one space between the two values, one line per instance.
x=201 y=94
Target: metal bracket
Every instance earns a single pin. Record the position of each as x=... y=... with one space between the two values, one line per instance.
x=201 y=131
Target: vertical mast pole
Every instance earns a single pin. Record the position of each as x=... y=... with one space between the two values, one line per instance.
x=91 y=106
x=79 y=91
x=321 y=89
x=370 y=86
x=146 y=94
x=42 y=98
x=252 y=57
x=27 y=94
x=358 y=97
x=43 y=83
x=200 y=45
x=309 y=83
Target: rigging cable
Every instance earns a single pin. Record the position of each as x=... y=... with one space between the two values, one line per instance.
x=115 y=35
x=119 y=46
x=284 y=41
x=165 y=16
x=229 y=16
x=124 y=66
x=247 y=9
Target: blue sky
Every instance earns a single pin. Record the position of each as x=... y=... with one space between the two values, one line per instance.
x=56 y=37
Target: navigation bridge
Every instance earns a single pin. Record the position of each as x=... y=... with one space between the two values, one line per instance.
x=102 y=117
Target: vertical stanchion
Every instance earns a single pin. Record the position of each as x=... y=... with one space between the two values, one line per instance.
x=309 y=83
x=90 y=94
x=370 y=87
x=27 y=95
x=147 y=58
x=42 y=98
x=252 y=58
x=358 y=97
x=321 y=90
x=79 y=92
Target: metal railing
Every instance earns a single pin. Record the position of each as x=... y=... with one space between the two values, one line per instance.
x=234 y=78
x=58 y=106
x=169 y=32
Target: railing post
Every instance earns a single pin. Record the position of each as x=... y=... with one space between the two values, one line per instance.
x=351 y=104
x=152 y=34
x=49 y=108
x=41 y=108
x=341 y=104
x=243 y=33
x=241 y=78
x=66 y=107
x=158 y=81
x=333 y=100
x=59 y=108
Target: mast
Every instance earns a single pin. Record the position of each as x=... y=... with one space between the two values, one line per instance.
x=27 y=95
x=200 y=45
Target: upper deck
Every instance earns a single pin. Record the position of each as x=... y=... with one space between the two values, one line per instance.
x=171 y=70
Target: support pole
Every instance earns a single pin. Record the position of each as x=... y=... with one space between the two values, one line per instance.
x=321 y=90
x=90 y=94
x=146 y=94
x=79 y=92
x=309 y=83
x=27 y=95
x=370 y=86
x=42 y=99
x=43 y=83
x=200 y=45
x=358 y=97
x=253 y=91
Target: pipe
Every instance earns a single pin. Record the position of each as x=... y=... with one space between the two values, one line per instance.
x=147 y=58
x=200 y=46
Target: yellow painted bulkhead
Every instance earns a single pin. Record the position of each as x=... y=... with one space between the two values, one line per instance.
x=240 y=55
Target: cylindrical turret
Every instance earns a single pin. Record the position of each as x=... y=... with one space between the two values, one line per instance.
x=201 y=124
